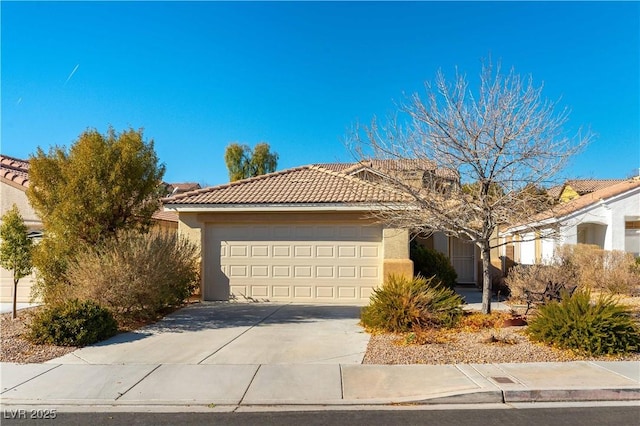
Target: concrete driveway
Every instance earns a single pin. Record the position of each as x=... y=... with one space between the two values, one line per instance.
x=237 y=333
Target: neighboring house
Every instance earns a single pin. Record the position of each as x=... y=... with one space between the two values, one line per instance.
x=14 y=181
x=168 y=220
x=302 y=234
x=603 y=213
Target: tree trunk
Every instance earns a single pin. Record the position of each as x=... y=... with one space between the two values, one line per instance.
x=14 y=315
x=486 y=278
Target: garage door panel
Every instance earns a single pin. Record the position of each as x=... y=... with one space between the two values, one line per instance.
x=281 y=271
x=259 y=251
x=325 y=251
x=346 y=251
x=259 y=271
x=325 y=272
x=281 y=251
x=238 y=251
x=302 y=251
x=369 y=251
x=294 y=263
x=302 y=271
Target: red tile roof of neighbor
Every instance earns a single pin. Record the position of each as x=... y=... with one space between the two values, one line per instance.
x=310 y=184
x=583 y=186
x=167 y=216
x=14 y=170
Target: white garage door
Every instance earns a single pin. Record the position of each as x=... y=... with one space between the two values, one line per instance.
x=302 y=263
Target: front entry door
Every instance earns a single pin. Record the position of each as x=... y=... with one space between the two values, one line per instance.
x=463 y=260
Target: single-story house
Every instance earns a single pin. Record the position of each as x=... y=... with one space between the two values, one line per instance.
x=606 y=214
x=14 y=181
x=306 y=234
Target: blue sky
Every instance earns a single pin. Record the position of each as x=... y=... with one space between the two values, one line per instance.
x=199 y=75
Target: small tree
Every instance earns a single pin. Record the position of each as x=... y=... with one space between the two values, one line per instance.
x=86 y=194
x=242 y=163
x=500 y=142
x=15 y=249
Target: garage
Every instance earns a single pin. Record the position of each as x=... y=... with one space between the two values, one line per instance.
x=306 y=235
x=315 y=262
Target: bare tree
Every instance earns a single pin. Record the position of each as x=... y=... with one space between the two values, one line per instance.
x=483 y=156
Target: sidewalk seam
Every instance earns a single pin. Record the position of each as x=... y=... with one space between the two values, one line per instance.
x=602 y=367
x=27 y=381
x=248 y=386
x=121 y=394
x=241 y=334
x=341 y=383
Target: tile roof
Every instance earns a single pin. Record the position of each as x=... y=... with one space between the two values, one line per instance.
x=14 y=170
x=388 y=166
x=301 y=185
x=586 y=200
x=167 y=216
x=583 y=186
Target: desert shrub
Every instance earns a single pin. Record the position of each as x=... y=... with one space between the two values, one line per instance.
x=477 y=321
x=72 y=323
x=136 y=275
x=599 y=328
x=612 y=271
x=535 y=278
x=403 y=304
x=585 y=266
x=429 y=263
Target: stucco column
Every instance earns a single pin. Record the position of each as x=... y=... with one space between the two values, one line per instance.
x=395 y=244
x=190 y=228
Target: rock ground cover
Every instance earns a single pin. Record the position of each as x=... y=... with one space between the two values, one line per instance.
x=489 y=345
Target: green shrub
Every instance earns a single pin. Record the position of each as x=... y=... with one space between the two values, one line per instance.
x=72 y=323
x=603 y=327
x=137 y=275
x=403 y=304
x=429 y=263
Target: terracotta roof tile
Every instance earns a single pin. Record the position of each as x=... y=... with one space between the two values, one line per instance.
x=585 y=186
x=167 y=216
x=184 y=186
x=301 y=185
x=389 y=166
x=14 y=170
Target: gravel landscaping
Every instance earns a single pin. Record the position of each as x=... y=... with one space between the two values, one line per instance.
x=501 y=345
x=15 y=348
x=482 y=347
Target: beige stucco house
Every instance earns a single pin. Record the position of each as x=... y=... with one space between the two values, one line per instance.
x=305 y=234
x=14 y=181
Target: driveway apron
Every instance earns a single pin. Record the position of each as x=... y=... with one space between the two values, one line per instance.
x=237 y=333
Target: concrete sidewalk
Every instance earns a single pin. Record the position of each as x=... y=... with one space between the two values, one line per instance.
x=180 y=385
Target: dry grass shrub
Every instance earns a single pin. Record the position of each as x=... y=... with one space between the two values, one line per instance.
x=586 y=266
x=428 y=336
x=477 y=321
x=136 y=276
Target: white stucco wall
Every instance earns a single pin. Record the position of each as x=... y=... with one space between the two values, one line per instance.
x=611 y=214
x=602 y=223
x=527 y=249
